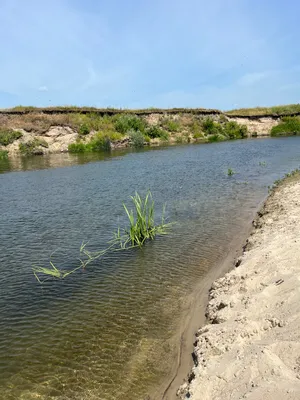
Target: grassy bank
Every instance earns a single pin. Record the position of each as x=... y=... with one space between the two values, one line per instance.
x=87 y=129
x=287 y=126
x=288 y=109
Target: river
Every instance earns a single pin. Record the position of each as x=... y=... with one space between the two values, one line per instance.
x=111 y=332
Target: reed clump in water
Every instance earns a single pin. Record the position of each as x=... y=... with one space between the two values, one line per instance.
x=142 y=227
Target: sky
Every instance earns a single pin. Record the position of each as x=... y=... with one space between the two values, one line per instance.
x=221 y=54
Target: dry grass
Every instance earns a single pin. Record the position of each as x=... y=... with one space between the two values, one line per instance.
x=289 y=109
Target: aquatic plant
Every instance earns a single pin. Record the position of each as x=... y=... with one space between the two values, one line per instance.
x=262 y=163
x=142 y=228
x=142 y=224
x=291 y=174
x=230 y=172
x=53 y=272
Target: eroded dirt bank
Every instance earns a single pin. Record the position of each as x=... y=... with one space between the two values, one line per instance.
x=53 y=131
x=251 y=346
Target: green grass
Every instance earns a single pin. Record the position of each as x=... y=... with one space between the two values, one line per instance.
x=155 y=131
x=170 y=125
x=127 y=122
x=3 y=155
x=230 y=172
x=8 y=136
x=101 y=141
x=216 y=131
x=287 y=126
x=142 y=225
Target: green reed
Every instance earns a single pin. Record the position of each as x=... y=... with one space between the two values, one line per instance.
x=142 y=227
x=141 y=223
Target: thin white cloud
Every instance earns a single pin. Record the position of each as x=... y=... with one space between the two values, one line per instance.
x=43 y=89
x=252 y=78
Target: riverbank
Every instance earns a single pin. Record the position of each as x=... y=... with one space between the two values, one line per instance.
x=251 y=346
x=38 y=131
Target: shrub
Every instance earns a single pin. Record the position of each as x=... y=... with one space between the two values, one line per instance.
x=77 y=148
x=198 y=135
x=99 y=142
x=235 y=131
x=31 y=147
x=8 y=136
x=156 y=132
x=210 y=127
x=136 y=137
x=125 y=123
x=171 y=125
x=84 y=130
x=287 y=126
x=3 y=154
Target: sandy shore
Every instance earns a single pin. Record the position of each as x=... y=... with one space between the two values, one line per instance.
x=251 y=347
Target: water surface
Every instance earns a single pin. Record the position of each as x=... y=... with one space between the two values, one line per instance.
x=110 y=332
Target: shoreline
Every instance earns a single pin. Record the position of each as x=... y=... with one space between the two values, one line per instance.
x=228 y=348
x=195 y=306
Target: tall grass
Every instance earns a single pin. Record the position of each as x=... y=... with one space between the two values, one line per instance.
x=287 y=126
x=142 y=225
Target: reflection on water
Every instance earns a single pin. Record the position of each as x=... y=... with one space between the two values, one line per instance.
x=110 y=332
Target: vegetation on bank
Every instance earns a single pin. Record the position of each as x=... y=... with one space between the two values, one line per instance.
x=142 y=227
x=97 y=132
x=288 y=177
x=32 y=147
x=287 y=109
x=287 y=126
x=139 y=131
x=3 y=154
x=8 y=136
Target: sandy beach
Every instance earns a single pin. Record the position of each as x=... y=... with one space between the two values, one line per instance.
x=250 y=347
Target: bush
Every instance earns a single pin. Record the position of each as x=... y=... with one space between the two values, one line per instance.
x=125 y=123
x=235 y=131
x=137 y=138
x=210 y=127
x=30 y=148
x=3 y=154
x=77 y=148
x=84 y=130
x=287 y=126
x=198 y=135
x=8 y=136
x=99 y=142
x=156 y=132
x=171 y=125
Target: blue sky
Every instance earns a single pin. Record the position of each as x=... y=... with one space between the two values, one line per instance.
x=160 y=53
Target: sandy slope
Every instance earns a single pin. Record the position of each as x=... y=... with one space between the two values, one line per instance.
x=251 y=349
